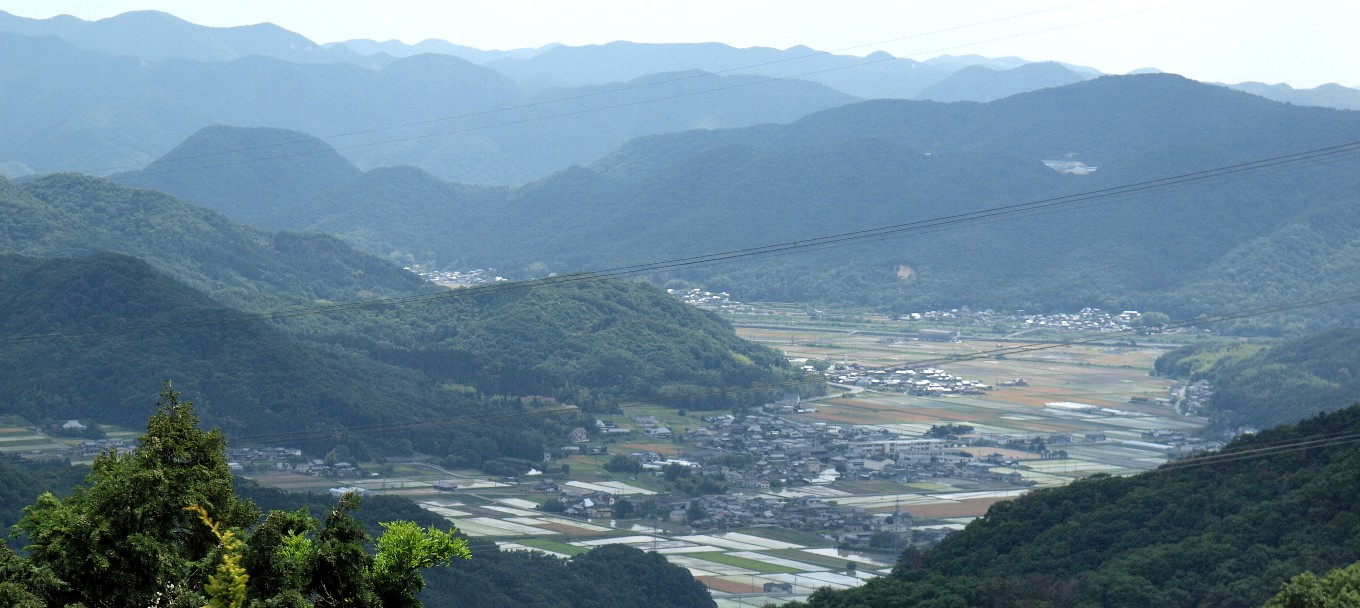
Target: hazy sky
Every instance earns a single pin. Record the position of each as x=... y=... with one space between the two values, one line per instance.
x=1302 y=42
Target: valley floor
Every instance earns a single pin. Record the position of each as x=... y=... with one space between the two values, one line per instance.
x=1101 y=396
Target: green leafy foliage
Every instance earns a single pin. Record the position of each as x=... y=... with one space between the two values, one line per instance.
x=128 y=534
x=1339 y=588
x=144 y=531
x=404 y=549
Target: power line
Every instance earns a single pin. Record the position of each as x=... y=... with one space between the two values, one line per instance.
x=949 y=222
x=610 y=107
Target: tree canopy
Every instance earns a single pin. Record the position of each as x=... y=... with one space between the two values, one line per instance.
x=161 y=525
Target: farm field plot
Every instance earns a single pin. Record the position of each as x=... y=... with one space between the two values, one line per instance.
x=1079 y=390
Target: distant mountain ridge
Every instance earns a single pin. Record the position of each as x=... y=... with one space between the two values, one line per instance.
x=1330 y=95
x=158 y=36
x=978 y=83
x=397 y=48
x=87 y=111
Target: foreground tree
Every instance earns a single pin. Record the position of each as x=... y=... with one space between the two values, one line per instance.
x=157 y=524
x=1339 y=588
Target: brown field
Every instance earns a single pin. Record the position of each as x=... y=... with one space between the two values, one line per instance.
x=714 y=582
x=974 y=507
x=1005 y=453
x=665 y=449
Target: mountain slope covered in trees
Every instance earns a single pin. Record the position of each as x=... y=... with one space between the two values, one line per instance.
x=1219 y=530
x=1261 y=385
x=84 y=335
x=64 y=215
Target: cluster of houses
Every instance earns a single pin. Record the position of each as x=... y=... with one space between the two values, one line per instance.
x=853 y=527
x=710 y=300
x=923 y=382
x=1191 y=399
x=92 y=447
x=1087 y=320
x=759 y=454
x=289 y=460
x=456 y=278
x=792 y=453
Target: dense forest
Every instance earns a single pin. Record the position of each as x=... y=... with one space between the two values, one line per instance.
x=1260 y=385
x=86 y=334
x=1224 y=529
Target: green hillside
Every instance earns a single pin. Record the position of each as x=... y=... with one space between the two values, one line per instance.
x=257 y=172
x=1221 y=531
x=63 y=215
x=315 y=372
x=1261 y=385
x=254 y=378
x=441 y=363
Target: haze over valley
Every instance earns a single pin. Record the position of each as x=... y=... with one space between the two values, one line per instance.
x=600 y=322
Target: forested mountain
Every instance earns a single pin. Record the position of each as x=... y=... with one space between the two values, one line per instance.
x=589 y=342
x=120 y=328
x=978 y=83
x=1261 y=385
x=1195 y=248
x=64 y=215
x=79 y=110
x=257 y=176
x=875 y=76
x=1189 y=250
x=1222 y=530
x=88 y=337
